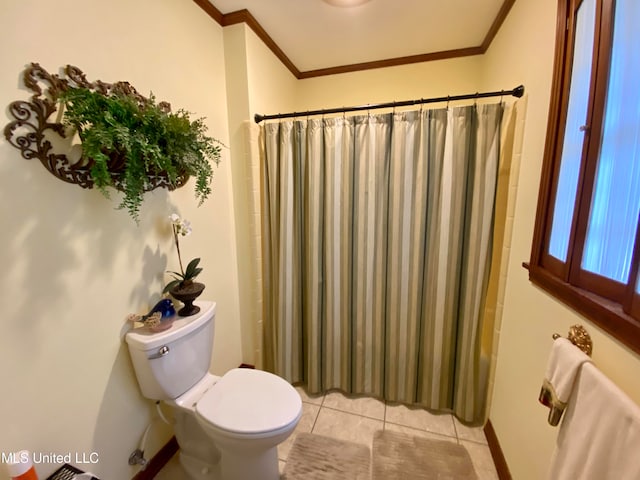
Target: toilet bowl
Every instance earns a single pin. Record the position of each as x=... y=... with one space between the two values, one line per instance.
x=248 y=413
x=227 y=428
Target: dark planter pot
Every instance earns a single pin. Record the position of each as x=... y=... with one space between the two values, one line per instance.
x=187 y=294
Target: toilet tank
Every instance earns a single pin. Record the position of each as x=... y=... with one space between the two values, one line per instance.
x=170 y=362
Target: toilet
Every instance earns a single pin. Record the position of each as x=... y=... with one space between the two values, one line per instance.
x=227 y=428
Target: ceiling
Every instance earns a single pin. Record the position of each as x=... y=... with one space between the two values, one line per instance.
x=317 y=38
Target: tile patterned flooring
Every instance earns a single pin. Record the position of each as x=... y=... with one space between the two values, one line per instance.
x=357 y=418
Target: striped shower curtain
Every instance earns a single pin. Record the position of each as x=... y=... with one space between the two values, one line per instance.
x=376 y=238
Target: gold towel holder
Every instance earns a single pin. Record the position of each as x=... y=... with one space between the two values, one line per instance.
x=579 y=336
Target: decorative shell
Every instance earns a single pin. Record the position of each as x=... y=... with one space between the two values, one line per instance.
x=150 y=321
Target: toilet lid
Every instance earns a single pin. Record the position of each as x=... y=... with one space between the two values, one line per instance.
x=250 y=401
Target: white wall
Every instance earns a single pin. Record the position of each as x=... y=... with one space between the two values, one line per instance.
x=73 y=266
x=522 y=52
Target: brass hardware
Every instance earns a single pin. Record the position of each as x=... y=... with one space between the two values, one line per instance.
x=32 y=125
x=579 y=336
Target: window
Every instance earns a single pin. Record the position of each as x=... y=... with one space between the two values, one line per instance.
x=586 y=245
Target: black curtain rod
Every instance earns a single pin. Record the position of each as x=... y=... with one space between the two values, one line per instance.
x=516 y=92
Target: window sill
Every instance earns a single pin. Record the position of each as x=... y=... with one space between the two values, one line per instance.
x=604 y=313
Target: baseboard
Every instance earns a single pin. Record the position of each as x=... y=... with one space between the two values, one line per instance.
x=496 y=452
x=158 y=461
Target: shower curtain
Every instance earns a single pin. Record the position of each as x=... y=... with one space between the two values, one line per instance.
x=376 y=236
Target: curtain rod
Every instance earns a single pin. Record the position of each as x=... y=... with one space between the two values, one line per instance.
x=516 y=92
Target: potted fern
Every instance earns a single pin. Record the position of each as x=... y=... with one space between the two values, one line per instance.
x=135 y=145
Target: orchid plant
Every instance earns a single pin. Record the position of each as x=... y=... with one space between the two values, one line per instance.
x=183 y=278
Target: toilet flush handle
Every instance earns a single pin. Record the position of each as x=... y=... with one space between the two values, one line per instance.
x=162 y=351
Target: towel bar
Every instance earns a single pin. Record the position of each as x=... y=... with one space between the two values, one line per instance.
x=579 y=337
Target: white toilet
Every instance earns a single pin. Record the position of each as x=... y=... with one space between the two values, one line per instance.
x=227 y=427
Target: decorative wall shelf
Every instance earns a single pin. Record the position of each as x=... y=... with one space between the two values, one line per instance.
x=33 y=123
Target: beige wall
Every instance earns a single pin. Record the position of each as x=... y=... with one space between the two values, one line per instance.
x=73 y=266
x=523 y=53
x=407 y=82
x=257 y=82
x=238 y=111
x=272 y=87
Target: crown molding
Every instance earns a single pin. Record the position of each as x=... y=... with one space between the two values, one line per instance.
x=392 y=62
x=245 y=16
x=497 y=23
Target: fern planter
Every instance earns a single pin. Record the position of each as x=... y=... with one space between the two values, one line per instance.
x=129 y=142
x=132 y=144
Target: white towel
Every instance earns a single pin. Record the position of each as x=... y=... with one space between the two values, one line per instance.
x=564 y=363
x=599 y=438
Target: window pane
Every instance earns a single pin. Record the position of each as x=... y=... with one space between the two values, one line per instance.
x=573 y=136
x=616 y=199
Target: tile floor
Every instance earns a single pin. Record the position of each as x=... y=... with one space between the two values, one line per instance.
x=357 y=418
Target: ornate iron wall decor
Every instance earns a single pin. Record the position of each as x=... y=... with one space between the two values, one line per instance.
x=32 y=122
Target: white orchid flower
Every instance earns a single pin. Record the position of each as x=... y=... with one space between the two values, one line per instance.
x=185 y=228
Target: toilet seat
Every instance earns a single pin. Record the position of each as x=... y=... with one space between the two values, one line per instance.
x=247 y=401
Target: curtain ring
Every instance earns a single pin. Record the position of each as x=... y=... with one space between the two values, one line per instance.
x=448 y=99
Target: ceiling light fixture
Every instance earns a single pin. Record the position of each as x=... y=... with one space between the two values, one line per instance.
x=345 y=3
